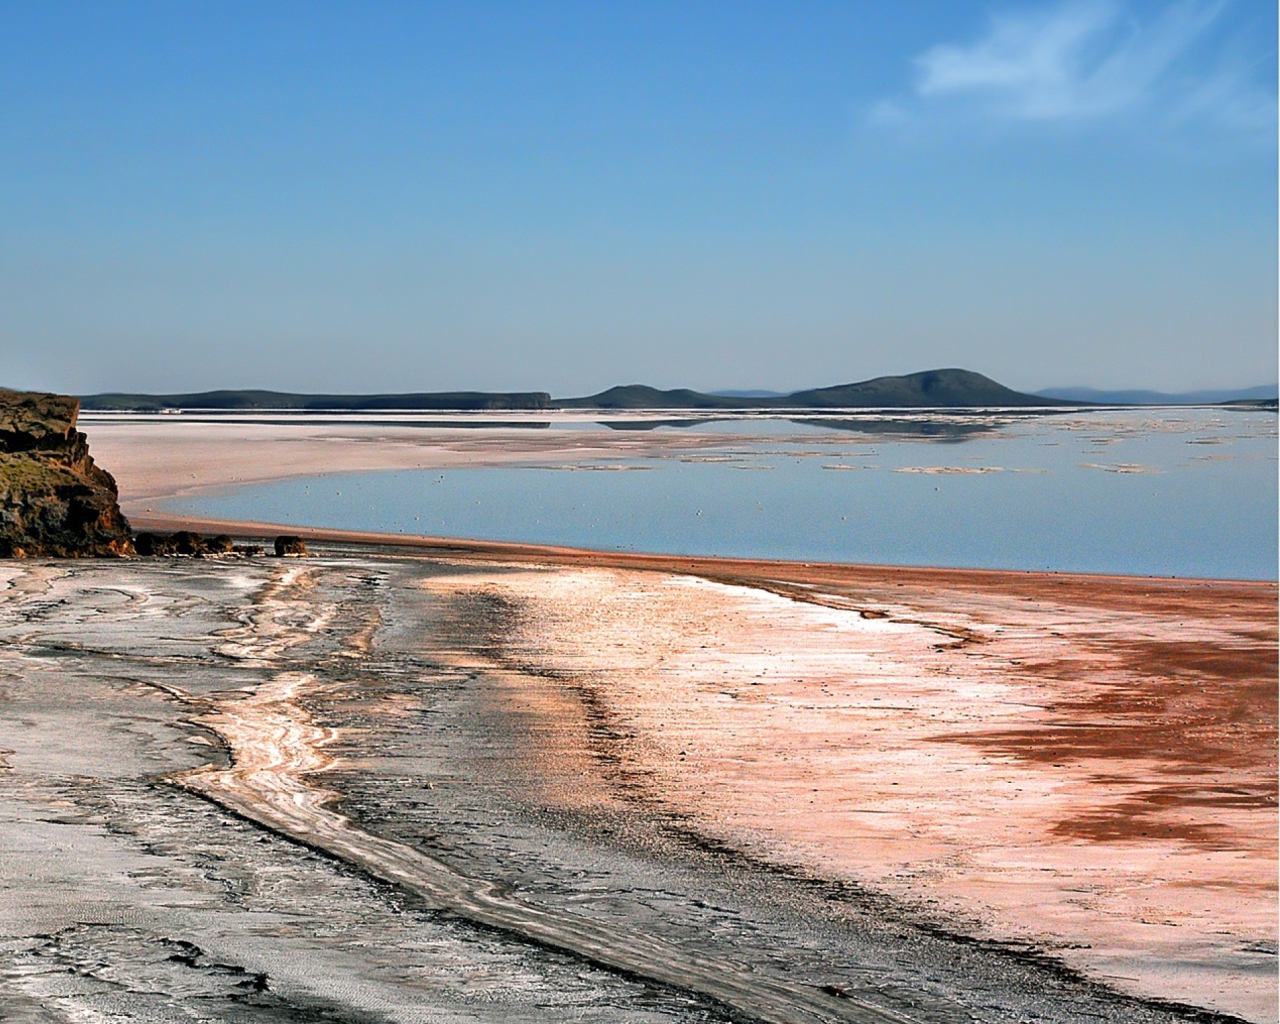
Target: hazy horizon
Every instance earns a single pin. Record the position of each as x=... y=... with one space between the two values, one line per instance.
x=730 y=391
x=344 y=198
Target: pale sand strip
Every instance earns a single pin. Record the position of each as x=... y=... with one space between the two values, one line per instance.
x=166 y=457
x=276 y=750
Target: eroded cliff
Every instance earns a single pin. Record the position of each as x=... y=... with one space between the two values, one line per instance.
x=54 y=501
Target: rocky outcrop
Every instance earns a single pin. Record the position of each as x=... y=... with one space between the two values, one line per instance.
x=289 y=545
x=148 y=544
x=184 y=542
x=53 y=500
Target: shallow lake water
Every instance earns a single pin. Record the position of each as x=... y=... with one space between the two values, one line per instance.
x=1170 y=492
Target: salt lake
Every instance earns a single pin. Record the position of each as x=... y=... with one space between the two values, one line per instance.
x=1187 y=492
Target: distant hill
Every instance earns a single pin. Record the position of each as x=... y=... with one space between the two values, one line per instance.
x=1254 y=403
x=283 y=400
x=932 y=389
x=641 y=396
x=1138 y=397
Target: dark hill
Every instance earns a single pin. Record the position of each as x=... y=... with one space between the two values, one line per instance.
x=282 y=400
x=933 y=389
x=640 y=396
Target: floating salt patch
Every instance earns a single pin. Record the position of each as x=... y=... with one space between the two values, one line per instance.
x=950 y=469
x=1121 y=467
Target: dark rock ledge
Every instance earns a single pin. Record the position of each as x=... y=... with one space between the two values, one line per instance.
x=54 y=502
x=184 y=542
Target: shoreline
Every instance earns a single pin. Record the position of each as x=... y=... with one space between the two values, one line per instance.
x=713 y=566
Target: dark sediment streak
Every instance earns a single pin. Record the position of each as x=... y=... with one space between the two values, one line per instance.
x=275 y=747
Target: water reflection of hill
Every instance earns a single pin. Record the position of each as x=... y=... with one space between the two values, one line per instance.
x=911 y=427
x=939 y=429
x=652 y=424
x=949 y=427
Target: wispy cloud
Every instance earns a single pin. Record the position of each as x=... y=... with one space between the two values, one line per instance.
x=1085 y=61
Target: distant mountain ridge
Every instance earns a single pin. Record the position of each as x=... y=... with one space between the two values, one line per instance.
x=1217 y=396
x=641 y=396
x=444 y=401
x=931 y=389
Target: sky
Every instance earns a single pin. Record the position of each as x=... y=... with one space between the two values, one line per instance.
x=426 y=196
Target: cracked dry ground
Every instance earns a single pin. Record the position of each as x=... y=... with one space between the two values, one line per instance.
x=370 y=787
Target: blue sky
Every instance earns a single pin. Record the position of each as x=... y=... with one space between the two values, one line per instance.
x=379 y=196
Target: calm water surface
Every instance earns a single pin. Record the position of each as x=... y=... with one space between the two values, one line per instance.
x=1181 y=492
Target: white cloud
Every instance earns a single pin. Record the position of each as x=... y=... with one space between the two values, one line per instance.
x=1084 y=61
